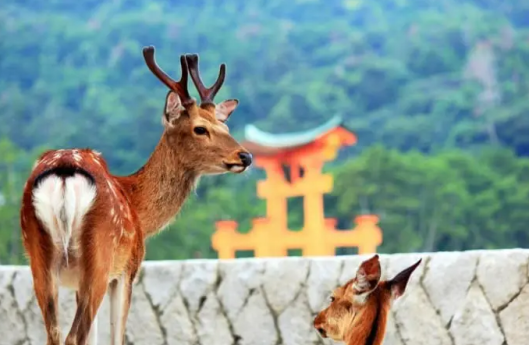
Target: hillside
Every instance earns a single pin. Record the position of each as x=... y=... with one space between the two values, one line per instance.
x=436 y=90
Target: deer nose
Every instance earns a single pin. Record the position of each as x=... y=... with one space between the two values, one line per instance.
x=246 y=158
x=319 y=327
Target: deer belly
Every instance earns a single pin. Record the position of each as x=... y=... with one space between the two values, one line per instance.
x=69 y=277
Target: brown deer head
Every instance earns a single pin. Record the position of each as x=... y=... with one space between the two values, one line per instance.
x=358 y=310
x=198 y=134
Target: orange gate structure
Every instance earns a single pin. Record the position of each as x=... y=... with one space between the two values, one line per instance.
x=293 y=164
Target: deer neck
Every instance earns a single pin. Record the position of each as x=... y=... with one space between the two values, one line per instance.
x=159 y=189
x=370 y=328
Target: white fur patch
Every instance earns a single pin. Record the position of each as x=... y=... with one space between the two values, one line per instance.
x=361 y=298
x=61 y=205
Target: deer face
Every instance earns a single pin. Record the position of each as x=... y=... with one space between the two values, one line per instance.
x=199 y=134
x=354 y=306
x=201 y=137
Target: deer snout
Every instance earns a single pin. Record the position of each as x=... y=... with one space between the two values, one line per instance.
x=318 y=324
x=246 y=158
x=240 y=160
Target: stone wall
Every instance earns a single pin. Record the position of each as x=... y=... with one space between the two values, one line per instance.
x=461 y=298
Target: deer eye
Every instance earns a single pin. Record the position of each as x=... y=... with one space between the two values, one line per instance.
x=332 y=298
x=200 y=130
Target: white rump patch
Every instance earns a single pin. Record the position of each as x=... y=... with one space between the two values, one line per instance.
x=61 y=205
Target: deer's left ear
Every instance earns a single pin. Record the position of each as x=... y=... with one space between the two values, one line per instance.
x=368 y=275
x=224 y=109
x=398 y=284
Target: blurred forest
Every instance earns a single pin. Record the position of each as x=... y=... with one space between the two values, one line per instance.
x=436 y=90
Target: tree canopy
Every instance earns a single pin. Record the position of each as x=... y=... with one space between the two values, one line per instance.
x=436 y=91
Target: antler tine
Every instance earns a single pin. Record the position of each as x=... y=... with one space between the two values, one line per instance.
x=206 y=94
x=180 y=87
x=192 y=64
x=220 y=80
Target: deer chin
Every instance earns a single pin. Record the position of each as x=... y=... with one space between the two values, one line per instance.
x=235 y=167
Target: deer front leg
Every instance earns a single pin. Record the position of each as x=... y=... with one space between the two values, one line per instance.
x=119 y=292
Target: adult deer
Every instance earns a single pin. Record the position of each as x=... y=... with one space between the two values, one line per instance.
x=84 y=228
x=358 y=310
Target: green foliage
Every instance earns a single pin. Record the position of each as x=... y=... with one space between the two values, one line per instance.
x=14 y=170
x=437 y=82
x=450 y=201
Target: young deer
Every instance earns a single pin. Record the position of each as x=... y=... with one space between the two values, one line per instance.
x=84 y=228
x=358 y=311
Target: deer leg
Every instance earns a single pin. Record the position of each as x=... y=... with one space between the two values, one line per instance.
x=90 y=297
x=120 y=292
x=44 y=270
x=92 y=337
x=96 y=261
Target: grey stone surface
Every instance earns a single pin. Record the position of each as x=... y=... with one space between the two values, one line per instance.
x=212 y=325
x=23 y=288
x=143 y=326
x=503 y=275
x=459 y=298
x=282 y=281
x=238 y=279
x=448 y=293
x=12 y=328
x=199 y=277
x=293 y=325
x=255 y=324
x=161 y=280
x=35 y=325
x=417 y=320
x=514 y=319
x=475 y=322
x=177 y=324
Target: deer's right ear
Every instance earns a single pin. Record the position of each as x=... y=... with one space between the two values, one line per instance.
x=368 y=275
x=398 y=284
x=224 y=109
x=173 y=107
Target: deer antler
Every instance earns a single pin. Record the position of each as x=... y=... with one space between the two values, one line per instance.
x=206 y=94
x=180 y=87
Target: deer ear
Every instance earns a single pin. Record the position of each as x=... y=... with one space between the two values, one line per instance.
x=398 y=284
x=224 y=109
x=173 y=107
x=367 y=276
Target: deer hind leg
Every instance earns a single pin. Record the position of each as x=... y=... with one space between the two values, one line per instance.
x=47 y=293
x=90 y=298
x=95 y=263
x=92 y=337
x=91 y=294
